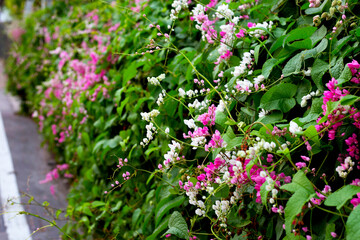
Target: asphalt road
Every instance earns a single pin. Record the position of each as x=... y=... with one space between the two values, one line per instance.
x=31 y=163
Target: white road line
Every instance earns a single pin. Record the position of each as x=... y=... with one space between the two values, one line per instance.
x=16 y=225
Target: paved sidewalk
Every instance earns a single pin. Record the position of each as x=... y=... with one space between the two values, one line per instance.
x=31 y=163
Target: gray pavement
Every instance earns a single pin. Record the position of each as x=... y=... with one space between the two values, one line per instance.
x=31 y=163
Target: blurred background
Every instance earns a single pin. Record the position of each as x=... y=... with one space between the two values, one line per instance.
x=18 y=8
x=11 y=12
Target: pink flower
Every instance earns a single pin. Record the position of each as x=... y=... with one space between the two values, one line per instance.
x=212 y=3
x=240 y=34
x=305 y=158
x=209 y=116
x=201 y=177
x=354 y=66
x=52 y=190
x=300 y=165
x=250 y=24
x=215 y=142
x=63 y=167
x=355 y=201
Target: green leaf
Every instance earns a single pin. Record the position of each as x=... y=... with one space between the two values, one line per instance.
x=86 y=138
x=118 y=94
x=341 y=196
x=256 y=53
x=152 y=175
x=304 y=44
x=96 y=204
x=177 y=226
x=110 y=122
x=159 y=229
x=300 y=33
x=303 y=192
x=312 y=53
x=220 y=118
x=319 y=9
x=213 y=56
x=304 y=88
x=318 y=35
x=135 y=216
x=279 y=97
x=285 y=152
x=264 y=194
x=150 y=150
x=294 y=207
x=300 y=183
x=313 y=136
x=336 y=70
x=353 y=225
x=330 y=107
x=234 y=143
x=278 y=4
x=223 y=192
x=318 y=70
x=278 y=43
x=340 y=44
x=117 y=206
x=330 y=227
x=274 y=117
x=314 y=112
x=293 y=66
x=349 y=100
x=129 y=73
x=292 y=236
x=58 y=212
x=230 y=122
x=345 y=76
x=268 y=66
x=166 y=207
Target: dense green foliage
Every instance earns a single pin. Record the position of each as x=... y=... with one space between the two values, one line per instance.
x=285 y=126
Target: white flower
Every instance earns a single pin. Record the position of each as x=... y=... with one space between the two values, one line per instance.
x=150 y=115
x=198 y=10
x=224 y=11
x=220 y=107
x=305 y=98
x=167 y=130
x=244 y=86
x=56 y=51
x=263 y=113
x=177 y=6
x=245 y=62
x=156 y=80
x=268 y=187
x=181 y=92
x=199 y=212
x=274 y=192
x=308 y=72
x=190 y=123
x=293 y=128
x=259 y=79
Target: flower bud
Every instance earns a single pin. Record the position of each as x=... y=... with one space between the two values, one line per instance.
x=332 y=11
x=324 y=15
